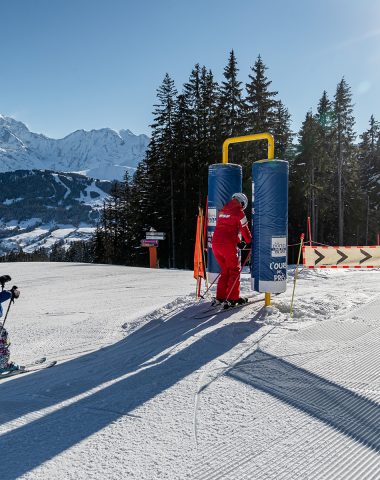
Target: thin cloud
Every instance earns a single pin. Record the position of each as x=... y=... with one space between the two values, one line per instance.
x=361 y=38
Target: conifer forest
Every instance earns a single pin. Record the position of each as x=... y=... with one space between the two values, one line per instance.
x=334 y=171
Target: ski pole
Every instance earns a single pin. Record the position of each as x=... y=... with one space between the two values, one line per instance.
x=9 y=306
x=295 y=275
x=241 y=269
x=215 y=279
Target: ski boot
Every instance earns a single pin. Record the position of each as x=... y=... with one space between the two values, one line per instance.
x=11 y=367
x=234 y=303
x=217 y=301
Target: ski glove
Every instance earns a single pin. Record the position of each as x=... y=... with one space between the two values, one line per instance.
x=243 y=245
x=15 y=292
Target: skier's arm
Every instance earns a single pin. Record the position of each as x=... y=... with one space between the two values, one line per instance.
x=244 y=229
x=5 y=295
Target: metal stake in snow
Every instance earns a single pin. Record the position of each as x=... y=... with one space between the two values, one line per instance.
x=3 y=280
x=295 y=275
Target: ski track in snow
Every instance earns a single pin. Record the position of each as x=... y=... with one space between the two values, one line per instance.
x=143 y=390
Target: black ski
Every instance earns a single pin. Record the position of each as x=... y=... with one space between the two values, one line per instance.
x=216 y=310
x=35 y=362
x=33 y=367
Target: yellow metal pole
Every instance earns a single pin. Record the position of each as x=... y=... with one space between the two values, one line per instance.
x=250 y=138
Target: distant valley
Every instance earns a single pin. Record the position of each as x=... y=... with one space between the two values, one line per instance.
x=39 y=208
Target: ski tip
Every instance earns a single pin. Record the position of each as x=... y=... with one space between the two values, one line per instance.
x=51 y=364
x=40 y=360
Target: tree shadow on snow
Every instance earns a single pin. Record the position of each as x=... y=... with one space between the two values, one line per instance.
x=339 y=408
x=102 y=386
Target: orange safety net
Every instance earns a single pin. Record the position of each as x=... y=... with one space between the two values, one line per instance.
x=199 y=268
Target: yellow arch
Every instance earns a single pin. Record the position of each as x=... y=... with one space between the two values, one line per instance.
x=249 y=138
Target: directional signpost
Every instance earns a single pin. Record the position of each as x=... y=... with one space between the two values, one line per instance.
x=151 y=241
x=153 y=235
x=341 y=257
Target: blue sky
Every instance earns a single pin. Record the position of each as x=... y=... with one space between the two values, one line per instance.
x=72 y=64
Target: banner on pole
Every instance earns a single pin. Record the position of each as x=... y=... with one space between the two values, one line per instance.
x=341 y=257
x=199 y=269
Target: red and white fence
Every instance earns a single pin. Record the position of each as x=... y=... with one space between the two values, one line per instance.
x=341 y=257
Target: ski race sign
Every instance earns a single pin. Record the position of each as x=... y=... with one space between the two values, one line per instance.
x=341 y=257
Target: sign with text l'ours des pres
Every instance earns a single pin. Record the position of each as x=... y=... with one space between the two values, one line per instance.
x=341 y=257
x=149 y=243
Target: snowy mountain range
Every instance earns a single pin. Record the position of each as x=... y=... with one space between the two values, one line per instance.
x=103 y=154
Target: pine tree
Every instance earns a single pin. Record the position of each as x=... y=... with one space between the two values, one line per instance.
x=200 y=97
x=183 y=136
x=324 y=175
x=196 y=123
x=302 y=170
x=260 y=102
x=344 y=150
x=142 y=210
x=281 y=130
x=193 y=101
x=153 y=186
x=231 y=107
x=369 y=160
x=163 y=134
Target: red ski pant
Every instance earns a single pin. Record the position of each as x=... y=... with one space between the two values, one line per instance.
x=229 y=281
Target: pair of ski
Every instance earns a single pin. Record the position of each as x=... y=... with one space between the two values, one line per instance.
x=38 y=364
x=220 y=308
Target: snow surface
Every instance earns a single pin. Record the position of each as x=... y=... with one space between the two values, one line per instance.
x=145 y=390
x=23 y=224
x=93 y=202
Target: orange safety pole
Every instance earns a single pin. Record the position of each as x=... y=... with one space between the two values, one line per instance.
x=199 y=272
x=203 y=243
x=309 y=228
x=153 y=257
x=200 y=250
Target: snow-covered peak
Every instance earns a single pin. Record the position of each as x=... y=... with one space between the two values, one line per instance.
x=13 y=125
x=82 y=150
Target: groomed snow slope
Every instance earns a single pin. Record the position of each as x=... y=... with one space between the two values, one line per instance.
x=144 y=390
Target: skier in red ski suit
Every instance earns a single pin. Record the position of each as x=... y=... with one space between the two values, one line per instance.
x=231 y=224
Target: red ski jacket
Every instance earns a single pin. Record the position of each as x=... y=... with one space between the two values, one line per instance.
x=230 y=222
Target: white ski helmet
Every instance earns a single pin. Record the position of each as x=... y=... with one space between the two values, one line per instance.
x=240 y=197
